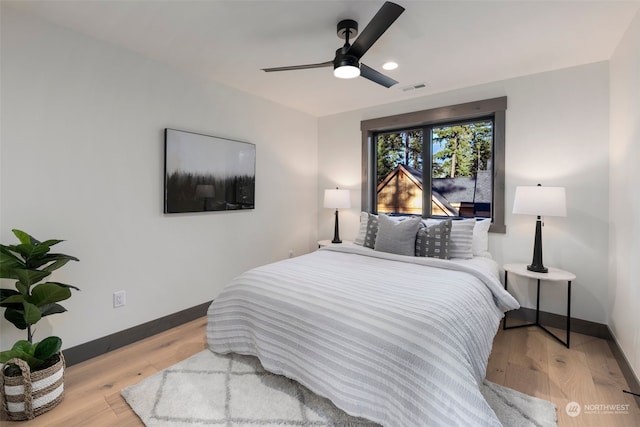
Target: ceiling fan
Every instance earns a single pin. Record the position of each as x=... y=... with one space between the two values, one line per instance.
x=346 y=63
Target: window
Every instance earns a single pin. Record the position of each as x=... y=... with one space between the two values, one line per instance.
x=456 y=153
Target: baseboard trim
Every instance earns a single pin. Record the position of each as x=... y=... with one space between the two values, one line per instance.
x=558 y=321
x=94 y=348
x=625 y=367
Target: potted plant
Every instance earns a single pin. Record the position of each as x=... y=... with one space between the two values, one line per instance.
x=35 y=368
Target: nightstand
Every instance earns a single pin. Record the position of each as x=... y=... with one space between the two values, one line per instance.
x=327 y=242
x=554 y=275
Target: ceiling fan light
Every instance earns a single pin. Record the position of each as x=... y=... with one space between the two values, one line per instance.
x=346 y=67
x=346 y=72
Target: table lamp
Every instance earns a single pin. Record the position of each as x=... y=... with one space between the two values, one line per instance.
x=540 y=201
x=337 y=199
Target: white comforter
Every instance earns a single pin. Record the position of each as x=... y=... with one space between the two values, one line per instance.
x=402 y=341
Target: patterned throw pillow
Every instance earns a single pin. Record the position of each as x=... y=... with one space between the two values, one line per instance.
x=433 y=241
x=372 y=232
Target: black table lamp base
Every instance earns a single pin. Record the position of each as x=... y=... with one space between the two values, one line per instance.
x=336 y=232
x=536 y=263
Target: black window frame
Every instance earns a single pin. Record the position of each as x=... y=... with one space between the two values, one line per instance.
x=493 y=109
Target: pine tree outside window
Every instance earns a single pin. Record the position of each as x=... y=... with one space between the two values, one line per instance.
x=445 y=162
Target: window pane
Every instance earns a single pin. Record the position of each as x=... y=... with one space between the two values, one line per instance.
x=461 y=172
x=399 y=172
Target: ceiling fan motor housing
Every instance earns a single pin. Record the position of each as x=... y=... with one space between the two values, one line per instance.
x=344 y=59
x=346 y=66
x=347 y=27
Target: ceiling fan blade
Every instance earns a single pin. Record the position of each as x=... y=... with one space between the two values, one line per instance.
x=375 y=76
x=382 y=20
x=299 y=67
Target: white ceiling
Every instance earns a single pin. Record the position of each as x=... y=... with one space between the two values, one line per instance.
x=444 y=44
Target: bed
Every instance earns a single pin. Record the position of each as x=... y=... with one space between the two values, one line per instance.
x=399 y=340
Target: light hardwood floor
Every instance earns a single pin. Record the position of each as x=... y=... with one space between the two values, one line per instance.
x=525 y=359
x=530 y=361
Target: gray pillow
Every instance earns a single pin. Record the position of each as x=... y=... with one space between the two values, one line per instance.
x=397 y=237
x=372 y=231
x=433 y=241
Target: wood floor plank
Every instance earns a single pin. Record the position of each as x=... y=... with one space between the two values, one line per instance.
x=571 y=380
x=527 y=366
x=496 y=371
x=526 y=359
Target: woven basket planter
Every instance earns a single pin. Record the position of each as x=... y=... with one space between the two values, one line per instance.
x=31 y=394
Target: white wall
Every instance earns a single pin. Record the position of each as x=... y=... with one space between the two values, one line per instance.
x=624 y=195
x=82 y=160
x=556 y=134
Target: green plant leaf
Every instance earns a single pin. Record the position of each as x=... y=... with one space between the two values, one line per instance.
x=24 y=289
x=22 y=350
x=9 y=262
x=57 y=260
x=64 y=285
x=47 y=348
x=55 y=265
x=5 y=293
x=24 y=346
x=31 y=251
x=31 y=313
x=49 y=309
x=20 y=250
x=48 y=293
x=16 y=316
x=9 y=252
x=24 y=237
x=7 y=355
x=16 y=298
x=50 y=242
x=30 y=277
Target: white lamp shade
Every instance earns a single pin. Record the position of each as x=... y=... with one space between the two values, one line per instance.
x=541 y=201
x=337 y=199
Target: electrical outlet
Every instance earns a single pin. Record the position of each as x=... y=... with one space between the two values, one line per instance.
x=290 y=253
x=119 y=299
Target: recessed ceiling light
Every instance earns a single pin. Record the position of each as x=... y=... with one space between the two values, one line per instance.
x=390 y=65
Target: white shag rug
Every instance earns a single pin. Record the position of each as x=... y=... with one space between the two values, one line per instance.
x=210 y=389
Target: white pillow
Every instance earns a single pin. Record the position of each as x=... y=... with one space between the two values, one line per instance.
x=362 y=231
x=461 y=244
x=481 y=238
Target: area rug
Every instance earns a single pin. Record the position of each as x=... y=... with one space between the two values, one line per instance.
x=209 y=389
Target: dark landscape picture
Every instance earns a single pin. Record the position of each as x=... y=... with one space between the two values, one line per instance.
x=207 y=173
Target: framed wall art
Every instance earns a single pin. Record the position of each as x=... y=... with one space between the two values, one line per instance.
x=206 y=173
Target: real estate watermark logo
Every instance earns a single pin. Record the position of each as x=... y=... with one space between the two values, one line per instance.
x=574 y=409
